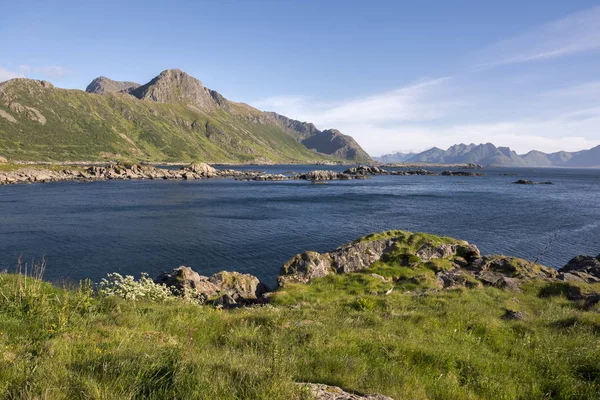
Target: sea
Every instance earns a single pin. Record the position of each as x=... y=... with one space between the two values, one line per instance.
x=86 y=230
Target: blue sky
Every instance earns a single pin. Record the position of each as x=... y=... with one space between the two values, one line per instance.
x=398 y=76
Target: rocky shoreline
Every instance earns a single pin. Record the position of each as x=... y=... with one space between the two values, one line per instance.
x=446 y=264
x=132 y=171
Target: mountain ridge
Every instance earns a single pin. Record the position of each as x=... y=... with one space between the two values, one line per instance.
x=173 y=117
x=489 y=154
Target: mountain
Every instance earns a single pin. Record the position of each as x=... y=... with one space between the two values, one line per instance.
x=488 y=154
x=329 y=141
x=104 y=85
x=171 y=118
x=394 y=157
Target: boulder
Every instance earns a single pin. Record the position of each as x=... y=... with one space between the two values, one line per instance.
x=583 y=264
x=524 y=182
x=360 y=255
x=202 y=169
x=186 y=282
x=239 y=286
x=304 y=267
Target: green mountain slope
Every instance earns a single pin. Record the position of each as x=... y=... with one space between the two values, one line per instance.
x=175 y=118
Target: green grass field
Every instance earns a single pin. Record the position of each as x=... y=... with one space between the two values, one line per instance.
x=72 y=343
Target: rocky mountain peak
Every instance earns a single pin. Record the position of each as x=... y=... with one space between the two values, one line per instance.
x=174 y=86
x=103 y=84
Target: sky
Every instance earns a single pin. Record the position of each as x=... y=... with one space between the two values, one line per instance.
x=396 y=75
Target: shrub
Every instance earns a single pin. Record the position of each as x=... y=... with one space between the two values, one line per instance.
x=130 y=289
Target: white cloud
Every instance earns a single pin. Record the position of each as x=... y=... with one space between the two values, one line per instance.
x=576 y=33
x=45 y=71
x=6 y=74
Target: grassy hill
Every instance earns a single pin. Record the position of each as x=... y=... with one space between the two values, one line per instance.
x=414 y=343
x=171 y=121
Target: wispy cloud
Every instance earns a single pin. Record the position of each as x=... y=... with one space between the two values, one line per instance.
x=47 y=71
x=43 y=71
x=6 y=74
x=576 y=33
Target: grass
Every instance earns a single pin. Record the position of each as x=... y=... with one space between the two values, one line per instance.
x=70 y=343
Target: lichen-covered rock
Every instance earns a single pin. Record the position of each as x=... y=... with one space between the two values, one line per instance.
x=319 y=391
x=305 y=267
x=512 y=267
x=239 y=286
x=360 y=255
x=188 y=283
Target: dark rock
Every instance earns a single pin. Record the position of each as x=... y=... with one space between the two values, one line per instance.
x=413 y=172
x=583 y=264
x=461 y=173
x=225 y=300
x=524 y=182
x=511 y=315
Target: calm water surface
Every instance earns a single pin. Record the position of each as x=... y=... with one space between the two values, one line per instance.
x=86 y=230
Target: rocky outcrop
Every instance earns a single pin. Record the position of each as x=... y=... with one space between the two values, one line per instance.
x=451 y=264
x=581 y=269
x=120 y=171
x=413 y=172
x=224 y=288
x=461 y=173
x=362 y=254
x=322 y=175
x=319 y=391
x=305 y=267
x=528 y=182
x=366 y=170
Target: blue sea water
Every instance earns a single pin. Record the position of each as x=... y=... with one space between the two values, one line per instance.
x=86 y=230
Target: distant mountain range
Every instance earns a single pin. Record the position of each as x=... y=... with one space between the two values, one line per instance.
x=174 y=117
x=488 y=154
x=394 y=157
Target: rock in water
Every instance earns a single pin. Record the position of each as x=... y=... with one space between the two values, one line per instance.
x=366 y=170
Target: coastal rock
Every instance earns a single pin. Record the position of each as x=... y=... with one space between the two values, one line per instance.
x=319 y=391
x=584 y=268
x=264 y=177
x=366 y=170
x=3 y=160
x=239 y=286
x=524 y=182
x=360 y=255
x=201 y=169
x=304 y=267
x=413 y=172
x=186 y=282
x=461 y=173
x=322 y=175
x=511 y=267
